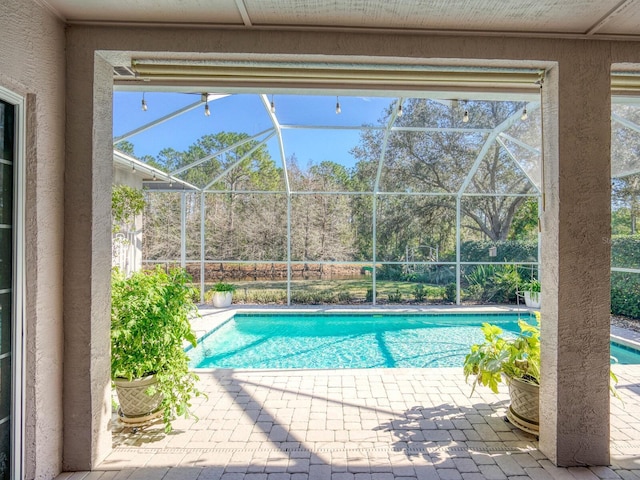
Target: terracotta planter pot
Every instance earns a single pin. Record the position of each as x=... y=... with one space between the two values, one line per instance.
x=135 y=405
x=524 y=409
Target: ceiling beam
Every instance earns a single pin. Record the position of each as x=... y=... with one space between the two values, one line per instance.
x=242 y=8
x=607 y=17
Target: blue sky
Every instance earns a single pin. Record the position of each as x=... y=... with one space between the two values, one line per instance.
x=246 y=113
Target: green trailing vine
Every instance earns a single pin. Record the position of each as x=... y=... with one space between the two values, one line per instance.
x=126 y=203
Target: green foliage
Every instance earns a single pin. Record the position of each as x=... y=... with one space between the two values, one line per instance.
x=450 y=294
x=495 y=283
x=389 y=272
x=263 y=297
x=532 y=285
x=126 y=203
x=625 y=294
x=125 y=146
x=621 y=221
x=395 y=297
x=509 y=251
x=344 y=297
x=419 y=293
x=369 y=296
x=438 y=274
x=501 y=357
x=312 y=297
x=625 y=287
x=223 y=287
x=525 y=222
x=150 y=320
x=515 y=357
x=625 y=251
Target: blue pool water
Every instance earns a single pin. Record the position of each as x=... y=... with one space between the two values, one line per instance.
x=331 y=340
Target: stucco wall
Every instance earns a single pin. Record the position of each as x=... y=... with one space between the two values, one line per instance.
x=32 y=64
x=568 y=272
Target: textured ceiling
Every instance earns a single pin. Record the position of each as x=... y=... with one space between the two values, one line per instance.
x=589 y=18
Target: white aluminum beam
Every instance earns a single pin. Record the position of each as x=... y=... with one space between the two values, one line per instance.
x=219 y=152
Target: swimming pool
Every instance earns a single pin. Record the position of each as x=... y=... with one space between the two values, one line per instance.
x=355 y=340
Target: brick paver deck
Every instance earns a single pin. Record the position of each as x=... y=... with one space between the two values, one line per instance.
x=385 y=424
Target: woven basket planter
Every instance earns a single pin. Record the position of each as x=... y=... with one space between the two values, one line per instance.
x=135 y=405
x=524 y=409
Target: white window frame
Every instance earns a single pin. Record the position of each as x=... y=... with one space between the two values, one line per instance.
x=18 y=287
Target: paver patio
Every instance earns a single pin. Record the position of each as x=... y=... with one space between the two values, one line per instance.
x=375 y=424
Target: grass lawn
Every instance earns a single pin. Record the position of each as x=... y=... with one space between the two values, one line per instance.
x=333 y=291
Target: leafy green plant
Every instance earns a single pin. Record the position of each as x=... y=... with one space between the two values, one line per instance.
x=450 y=292
x=395 y=297
x=497 y=283
x=505 y=356
x=625 y=294
x=150 y=321
x=369 y=295
x=499 y=354
x=126 y=203
x=223 y=287
x=532 y=286
x=419 y=293
x=507 y=251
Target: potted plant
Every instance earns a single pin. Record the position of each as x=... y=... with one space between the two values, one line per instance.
x=532 y=293
x=222 y=294
x=150 y=322
x=514 y=359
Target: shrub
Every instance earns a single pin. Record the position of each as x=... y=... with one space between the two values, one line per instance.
x=395 y=297
x=419 y=293
x=344 y=297
x=625 y=251
x=389 y=272
x=509 y=251
x=625 y=294
x=495 y=283
x=450 y=292
x=369 y=296
x=438 y=275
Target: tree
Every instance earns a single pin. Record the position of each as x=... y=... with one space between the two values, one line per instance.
x=625 y=163
x=440 y=161
x=626 y=197
x=237 y=225
x=321 y=223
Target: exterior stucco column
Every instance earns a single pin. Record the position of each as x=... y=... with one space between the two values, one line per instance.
x=574 y=396
x=87 y=260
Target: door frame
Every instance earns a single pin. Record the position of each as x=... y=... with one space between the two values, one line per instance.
x=18 y=284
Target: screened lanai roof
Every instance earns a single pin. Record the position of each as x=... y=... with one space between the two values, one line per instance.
x=299 y=130
x=293 y=128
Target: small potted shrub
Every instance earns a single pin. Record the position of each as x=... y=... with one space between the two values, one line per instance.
x=222 y=294
x=150 y=321
x=532 y=293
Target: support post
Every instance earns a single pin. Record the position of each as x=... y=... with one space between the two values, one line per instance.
x=574 y=395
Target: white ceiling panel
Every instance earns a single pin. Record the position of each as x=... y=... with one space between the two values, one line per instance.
x=541 y=16
x=149 y=11
x=625 y=22
x=547 y=17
